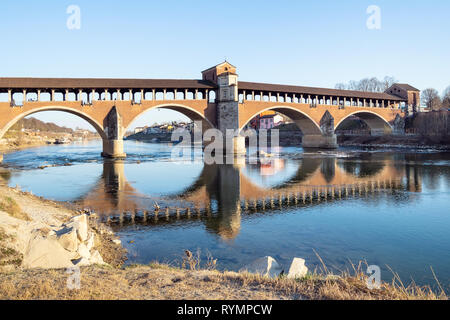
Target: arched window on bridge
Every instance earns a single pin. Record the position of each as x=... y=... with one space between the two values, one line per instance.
x=104 y=96
x=59 y=96
x=190 y=96
x=4 y=97
x=18 y=98
x=45 y=96
x=159 y=95
x=148 y=95
x=212 y=96
x=200 y=95
x=137 y=97
x=84 y=97
x=170 y=95
x=32 y=96
x=71 y=96
x=94 y=96
x=180 y=95
x=126 y=96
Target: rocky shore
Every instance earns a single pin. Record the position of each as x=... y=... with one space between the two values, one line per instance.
x=391 y=141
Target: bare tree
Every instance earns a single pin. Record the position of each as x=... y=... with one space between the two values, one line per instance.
x=368 y=84
x=446 y=99
x=431 y=99
x=388 y=82
x=340 y=86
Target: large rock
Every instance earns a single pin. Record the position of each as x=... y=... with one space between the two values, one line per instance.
x=84 y=251
x=46 y=253
x=96 y=258
x=297 y=269
x=266 y=266
x=90 y=241
x=68 y=239
x=80 y=223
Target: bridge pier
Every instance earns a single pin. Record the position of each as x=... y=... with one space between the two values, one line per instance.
x=239 y=146
x=113 y=149
x=113 y=142
x=319 y=141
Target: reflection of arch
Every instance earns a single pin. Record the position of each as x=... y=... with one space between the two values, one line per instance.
x=183 y=109
x=306 y=124
x=362 y=169
x=372 y=119
x=82 y=115
x=306 y=168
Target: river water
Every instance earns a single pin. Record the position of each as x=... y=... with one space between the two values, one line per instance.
x=390 y=208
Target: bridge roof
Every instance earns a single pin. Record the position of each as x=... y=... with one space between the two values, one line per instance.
x=266 y=87
x=97 y=83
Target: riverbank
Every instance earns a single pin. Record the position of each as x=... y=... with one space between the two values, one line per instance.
x=392 y=141
x=23 y=214
x=16 y=141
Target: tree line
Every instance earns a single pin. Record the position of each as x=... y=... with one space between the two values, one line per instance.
x=368 y=84
x=433 y=101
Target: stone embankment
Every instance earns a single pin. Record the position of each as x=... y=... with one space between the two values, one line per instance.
x=35 y=233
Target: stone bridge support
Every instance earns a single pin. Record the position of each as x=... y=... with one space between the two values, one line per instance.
x=113 y=144
x=326 y=140
x=226 y=189
x=228 y=114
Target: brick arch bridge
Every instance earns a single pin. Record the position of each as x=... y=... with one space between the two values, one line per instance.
x=218 y=100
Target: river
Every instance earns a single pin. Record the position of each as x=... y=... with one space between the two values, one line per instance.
x=387 y=207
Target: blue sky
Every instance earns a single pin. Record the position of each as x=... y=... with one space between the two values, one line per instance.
x=311 y=43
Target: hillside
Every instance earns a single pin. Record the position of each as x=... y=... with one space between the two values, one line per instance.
x=35 y=125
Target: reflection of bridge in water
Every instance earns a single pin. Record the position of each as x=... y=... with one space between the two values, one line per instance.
x=222 y=194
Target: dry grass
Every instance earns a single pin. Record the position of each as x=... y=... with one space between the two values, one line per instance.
x=158 y=281
x=10 y=206
x=8 y=256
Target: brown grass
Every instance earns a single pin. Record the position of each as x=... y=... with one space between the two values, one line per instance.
x=10 y=206
x=158 y=281
x=8 y=256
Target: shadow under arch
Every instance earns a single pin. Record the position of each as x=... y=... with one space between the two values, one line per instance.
x=303 y=121
x=372 y=119
x=187 y=111
x=82 y=115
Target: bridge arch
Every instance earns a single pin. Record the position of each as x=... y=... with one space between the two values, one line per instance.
x=375 y=121
x=306 y=124
x=98 y=127
x=187 y=111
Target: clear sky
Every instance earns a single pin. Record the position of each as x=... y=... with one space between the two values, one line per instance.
x=311 y=43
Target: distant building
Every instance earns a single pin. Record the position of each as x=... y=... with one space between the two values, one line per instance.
x=267 y=120
x=139 y=129
x=153 y=130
